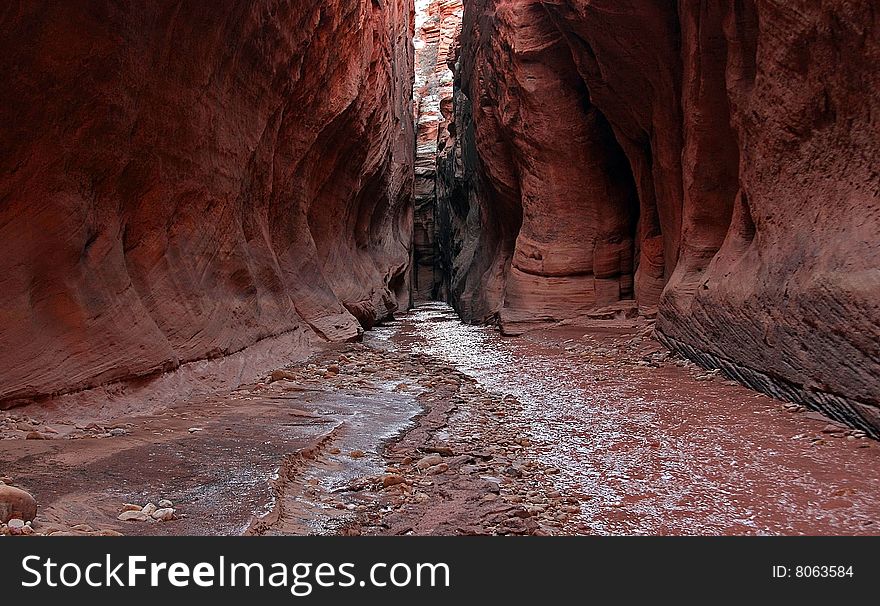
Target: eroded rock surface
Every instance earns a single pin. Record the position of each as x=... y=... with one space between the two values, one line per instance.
x=179 y=181
x=714 y=159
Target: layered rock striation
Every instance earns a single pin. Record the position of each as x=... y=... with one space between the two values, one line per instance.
x=182 y=180
x=714 y=159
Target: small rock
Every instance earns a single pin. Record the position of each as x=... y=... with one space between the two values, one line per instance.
x=446 y=451
x=82 y=528
x=148 y=509
x=131 y=507
x=513 y=472
x=392 y=480
x=132 y=516
x=429 y=461
x=15 y=523
x=490 y=487
x=166 y=514
x=357 y=454
x=282 y=375
x=195 y=429
x=334 y=451
x=333 y=368
x=118 y=432
x=437 y=469
x=35 y=435
x=16 y=503
x=165 y=504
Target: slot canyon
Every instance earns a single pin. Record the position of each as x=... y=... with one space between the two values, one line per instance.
x=433 y=267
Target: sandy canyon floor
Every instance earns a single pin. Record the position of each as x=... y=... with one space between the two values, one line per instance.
x=431 y=426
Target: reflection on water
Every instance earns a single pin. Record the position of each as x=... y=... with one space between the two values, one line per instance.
x=644 y=453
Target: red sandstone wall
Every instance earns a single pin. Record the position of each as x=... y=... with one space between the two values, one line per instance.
x=717 y=158
x=180 y=180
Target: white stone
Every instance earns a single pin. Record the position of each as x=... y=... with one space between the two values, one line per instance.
x=166 y=514
x=133 y=516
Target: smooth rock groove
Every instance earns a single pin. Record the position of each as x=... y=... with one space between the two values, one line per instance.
x=712 y=159
x=180 y=181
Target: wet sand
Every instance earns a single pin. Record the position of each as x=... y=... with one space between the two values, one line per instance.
x=435 y=427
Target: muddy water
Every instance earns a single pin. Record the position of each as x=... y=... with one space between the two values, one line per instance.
x=653 y=450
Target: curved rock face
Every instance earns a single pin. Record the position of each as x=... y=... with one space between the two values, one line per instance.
x=717 y=159
x=181 y=180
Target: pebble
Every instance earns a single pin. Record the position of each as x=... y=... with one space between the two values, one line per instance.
x=16 y=503
x=148 y=509
x=195 y=429
x=118 y=432
x=392 y=480
x=279 y=375
x=165 y=504
x=429 y=461
x=357 y=454
x=132 y=516
x=15 y=523
x=131 y=507
x=446 y=451
x=166 y=514
x=437 y=469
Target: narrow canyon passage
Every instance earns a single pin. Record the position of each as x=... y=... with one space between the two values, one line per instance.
x=522 y=267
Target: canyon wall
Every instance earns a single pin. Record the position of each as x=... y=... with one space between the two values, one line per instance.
x=438 y=26
x=181 y=180
x=715 y=159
